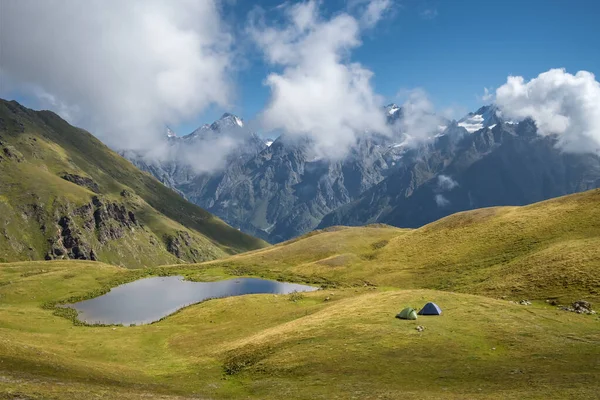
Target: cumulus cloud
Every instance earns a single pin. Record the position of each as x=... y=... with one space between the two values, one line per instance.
x=205 y=154
x=374 y=11
x=122 y=69
x=441 y=201
x=487 y=95
x=319 y=93
x=420 y=123
x=446 y=183
x=560 y=103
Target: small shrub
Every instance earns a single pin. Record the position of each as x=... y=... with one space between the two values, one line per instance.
x=295 y=296
x=380 y=244
x=240 y=359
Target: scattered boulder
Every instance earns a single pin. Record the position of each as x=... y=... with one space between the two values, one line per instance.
x=82 y=181
x=12 y=154
x=420 y=328
x=525 y=303
x=579 y=307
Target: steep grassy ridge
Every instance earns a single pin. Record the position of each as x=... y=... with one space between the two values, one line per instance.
x=64 y=194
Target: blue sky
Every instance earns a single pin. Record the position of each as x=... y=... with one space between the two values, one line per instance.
x=108 y=77
x=450 y=48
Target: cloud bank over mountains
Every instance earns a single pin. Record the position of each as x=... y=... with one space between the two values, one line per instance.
x=559 y=103
x=320 y=93
x=124 y=70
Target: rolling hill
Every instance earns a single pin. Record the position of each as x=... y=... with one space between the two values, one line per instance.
x=547 y=249
x=64 y=194
x=343 y=341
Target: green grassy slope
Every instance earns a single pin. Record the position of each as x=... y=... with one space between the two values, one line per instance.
x=548 y=249
x=268 y=347
x=38 y=149
x=341 y=342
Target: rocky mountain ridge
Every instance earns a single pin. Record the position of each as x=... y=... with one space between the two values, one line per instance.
x=281 y=190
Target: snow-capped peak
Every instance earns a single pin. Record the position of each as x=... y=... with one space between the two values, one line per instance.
x=170 y=133
x=486 y=116
x=230 y=120
x=227 y=124
x=392 y=109
x=269 y=142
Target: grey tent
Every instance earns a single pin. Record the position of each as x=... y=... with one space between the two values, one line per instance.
x=407 y=313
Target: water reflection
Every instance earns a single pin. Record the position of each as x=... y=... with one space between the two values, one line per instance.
x=148 y=300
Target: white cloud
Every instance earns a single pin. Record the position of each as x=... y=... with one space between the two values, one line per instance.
x=319 y=93
x=420 y=123
x=559 y=103
x=122 y=69
x=487 y=95
x=374 y=12
x=446 y=183
x=441 y=201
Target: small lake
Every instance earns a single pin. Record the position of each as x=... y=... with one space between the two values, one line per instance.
x=150 y=299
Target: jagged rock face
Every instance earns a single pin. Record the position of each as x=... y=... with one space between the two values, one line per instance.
x=82 y=181
x=506 y=165
x=106 y=221
x=274 y=191
x=180 y=244
x=280 y=191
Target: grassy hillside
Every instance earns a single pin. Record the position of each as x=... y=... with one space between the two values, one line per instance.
x=64 y=194
x=341 y=342
x=268 y=347
x=546 y=250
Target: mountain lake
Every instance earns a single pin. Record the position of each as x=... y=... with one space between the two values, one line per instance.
x=148 y=300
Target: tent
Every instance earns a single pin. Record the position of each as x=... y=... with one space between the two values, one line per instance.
x=430 y=309
x=407 y=313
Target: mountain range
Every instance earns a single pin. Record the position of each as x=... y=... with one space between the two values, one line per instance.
x=277 y=190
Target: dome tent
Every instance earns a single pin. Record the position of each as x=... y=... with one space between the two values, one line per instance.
x=407 y=313
x=430 y=309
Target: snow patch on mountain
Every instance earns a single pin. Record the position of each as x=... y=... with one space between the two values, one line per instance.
x=170 y=133
x=485 y=117
x=392 y=109
x=472 y=123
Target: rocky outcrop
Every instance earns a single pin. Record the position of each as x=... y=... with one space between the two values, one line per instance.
x=106 y=220
x=70 y=242
x=181 y=244
x=579 y=307
x=111 y=220
x=82 y=181
x=10 y=153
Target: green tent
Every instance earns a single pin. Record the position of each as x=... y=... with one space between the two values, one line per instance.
x=407 y=313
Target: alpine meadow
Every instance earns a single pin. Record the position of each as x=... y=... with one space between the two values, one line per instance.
x=355 y=199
